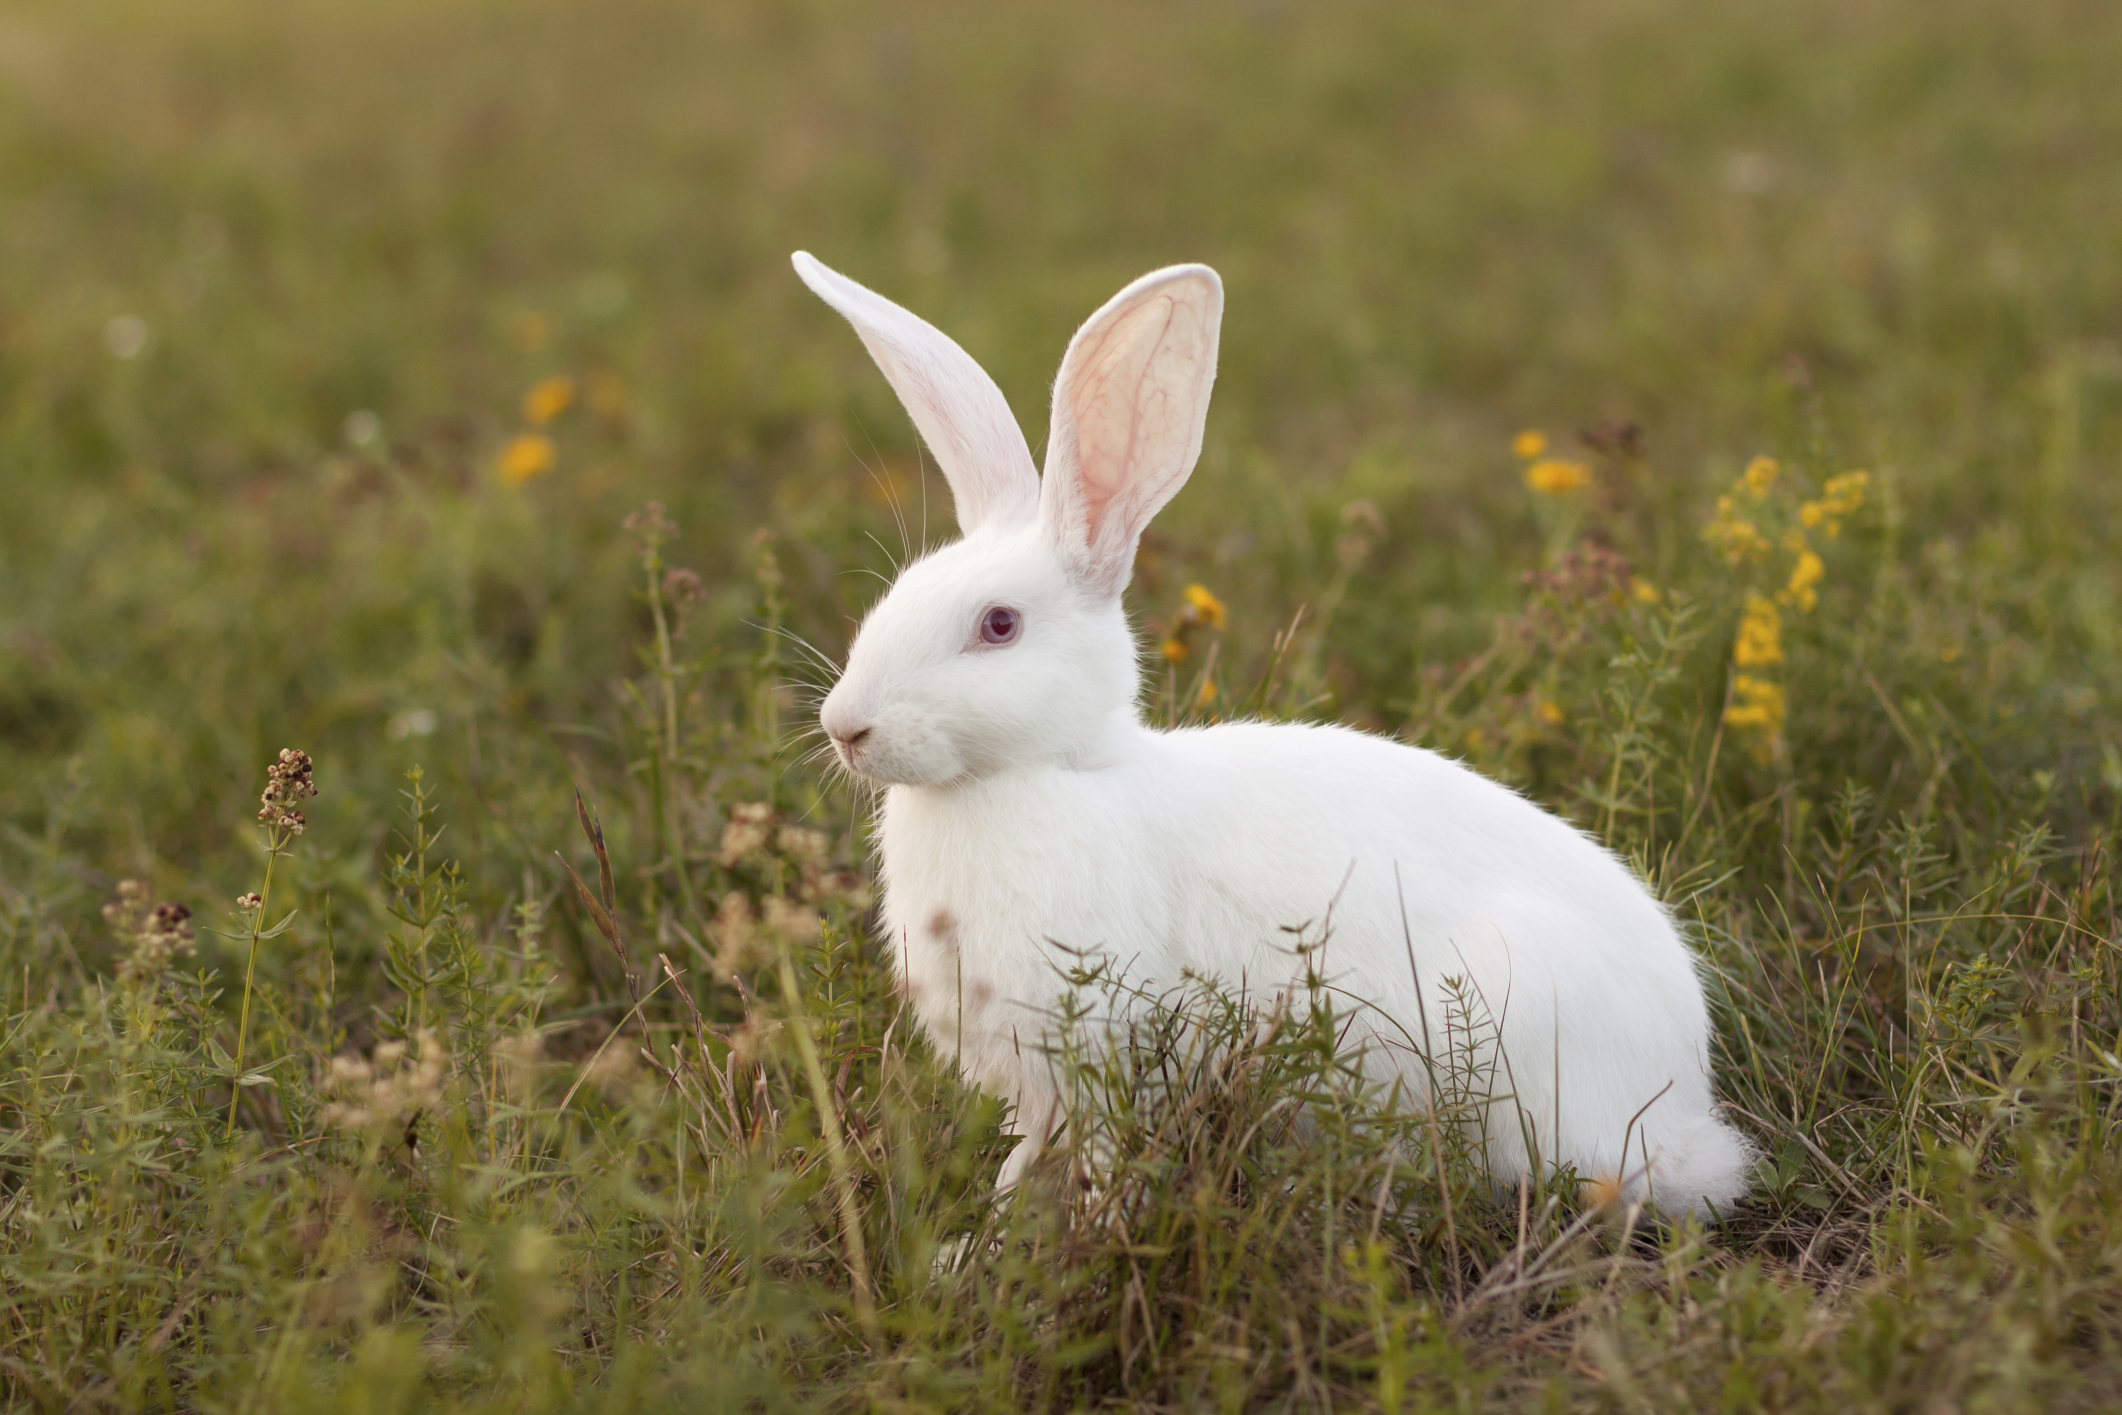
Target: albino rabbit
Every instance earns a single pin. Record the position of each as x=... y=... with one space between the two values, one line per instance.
x=993 y=690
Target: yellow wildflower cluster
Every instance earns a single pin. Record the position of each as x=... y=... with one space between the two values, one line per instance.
x=1550 y=476
x=1733 y=531
x=1741 y=532
x=1735 y=535
x=548 y=399
x=1806 y=573
x=1201 y=608
x=532 y=453
x=1553 y=477
x=1840 y=497
x=527 y=456
x=1757 y=702
x=1760 y=640
x=1757 y=705
x=1759 y=477
x=1207 y=606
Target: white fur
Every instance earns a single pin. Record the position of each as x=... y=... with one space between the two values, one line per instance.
x=1030 y=811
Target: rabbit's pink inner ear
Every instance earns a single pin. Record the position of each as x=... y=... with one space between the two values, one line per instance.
x=1129 y=408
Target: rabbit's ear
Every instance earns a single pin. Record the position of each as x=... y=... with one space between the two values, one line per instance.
x=1129 y=407
x=962 y=416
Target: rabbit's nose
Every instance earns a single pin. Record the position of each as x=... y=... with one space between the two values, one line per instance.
x=849 y=743
x=844 y=726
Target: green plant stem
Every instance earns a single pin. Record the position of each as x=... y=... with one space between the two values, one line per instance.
x=666 y=774
x=250 y=970
x=835 y=1148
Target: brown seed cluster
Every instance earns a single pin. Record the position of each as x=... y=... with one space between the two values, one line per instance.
x=156 y=934
x=287 y=782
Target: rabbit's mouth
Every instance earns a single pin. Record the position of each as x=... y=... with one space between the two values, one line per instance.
x=850 y=747
x=894 y=748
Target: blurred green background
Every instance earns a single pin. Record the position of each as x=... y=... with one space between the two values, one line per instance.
x=1866 y=234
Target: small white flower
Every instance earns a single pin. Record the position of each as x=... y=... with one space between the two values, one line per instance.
x=1749 y=173
x=125 y=336
x=420 y=722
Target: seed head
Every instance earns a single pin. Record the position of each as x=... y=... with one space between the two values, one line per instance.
x=683 y=589
x=651 y=527
x=287 y=781
x=157 y=935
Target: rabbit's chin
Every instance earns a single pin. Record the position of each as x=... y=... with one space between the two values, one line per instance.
x=882 y=777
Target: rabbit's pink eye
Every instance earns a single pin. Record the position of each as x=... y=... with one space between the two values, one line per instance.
x=999 y=625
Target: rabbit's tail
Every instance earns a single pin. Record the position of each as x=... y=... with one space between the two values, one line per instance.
x=1700 y=1169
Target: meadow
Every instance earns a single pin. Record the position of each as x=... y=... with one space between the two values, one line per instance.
x=1706 y=418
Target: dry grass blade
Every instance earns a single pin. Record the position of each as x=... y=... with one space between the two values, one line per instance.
x=593 y=830
x=606 y=924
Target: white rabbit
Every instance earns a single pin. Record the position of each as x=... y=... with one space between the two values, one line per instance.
x=993 y=691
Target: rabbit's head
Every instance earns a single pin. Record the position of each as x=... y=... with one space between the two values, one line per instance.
x=1009 y=648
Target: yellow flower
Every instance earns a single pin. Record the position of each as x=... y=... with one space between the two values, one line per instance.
x=1554 y=477
x=1759 y=476
x=607 y=394
x=548 y=399
x=1174 y=651
x=1208 y=692
x=1849 y=488
x=1760 y=641
x=1949 y=654
x=1803 y=576
x=1549 y=713
x=1206 y=606
x=1758 y=704
x=1644 y=591
x=1840 y=497
x=1529 y=443
x=526 y=456
x=1730 y=532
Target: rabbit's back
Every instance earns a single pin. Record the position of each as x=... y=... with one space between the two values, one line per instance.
x=1438 y=900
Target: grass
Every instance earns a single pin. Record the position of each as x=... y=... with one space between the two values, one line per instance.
x=277 y=287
